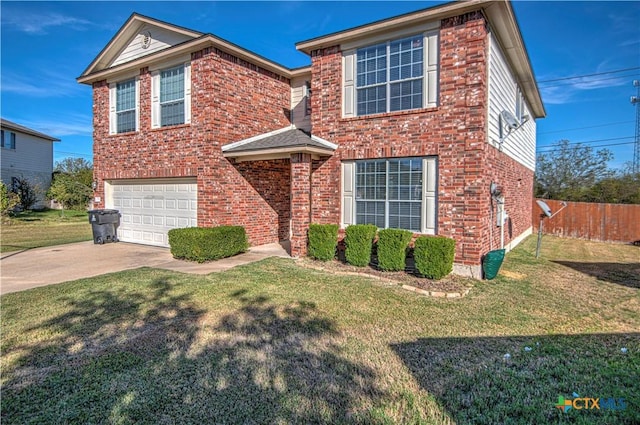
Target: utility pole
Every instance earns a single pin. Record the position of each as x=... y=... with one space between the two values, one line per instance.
x=635 y=101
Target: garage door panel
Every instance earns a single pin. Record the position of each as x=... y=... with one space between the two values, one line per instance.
x=150 y=209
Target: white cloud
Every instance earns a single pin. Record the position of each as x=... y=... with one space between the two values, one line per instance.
x=47 y=83
x=38 y=23
x=565 y=91
x=61 y=125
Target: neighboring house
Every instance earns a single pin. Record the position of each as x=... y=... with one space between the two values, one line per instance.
x=401 y=123
x=27 y=154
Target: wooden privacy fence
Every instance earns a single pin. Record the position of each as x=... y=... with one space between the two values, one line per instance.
x=597 y=222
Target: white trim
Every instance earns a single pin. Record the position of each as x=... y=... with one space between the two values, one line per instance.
x=430 y=72
x=286 y=151
x=394 y=35
x=324 y=142
x=516 y=241
x=255 y=138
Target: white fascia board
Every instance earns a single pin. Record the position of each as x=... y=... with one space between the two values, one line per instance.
x=324 y=142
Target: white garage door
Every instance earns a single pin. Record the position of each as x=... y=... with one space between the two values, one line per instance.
x=150 y=208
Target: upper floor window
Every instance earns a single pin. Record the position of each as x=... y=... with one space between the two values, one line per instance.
x=389 y=76
x=124 y=106
x=8 y=139
x=396 y=75
x=171 y=96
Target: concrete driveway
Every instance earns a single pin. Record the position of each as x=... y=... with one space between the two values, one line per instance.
x=45 y=266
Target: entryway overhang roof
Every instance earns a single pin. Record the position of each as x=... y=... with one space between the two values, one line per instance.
x=278 y=144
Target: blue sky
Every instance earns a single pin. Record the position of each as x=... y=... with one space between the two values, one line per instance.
x=46 y=45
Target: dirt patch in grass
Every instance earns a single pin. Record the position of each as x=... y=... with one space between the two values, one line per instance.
x=450 y=284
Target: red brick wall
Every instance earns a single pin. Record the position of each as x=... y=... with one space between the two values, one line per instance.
x=301 y=166
x=271 y=180
x=516 y=183
x=231 y=100
x=454 y=131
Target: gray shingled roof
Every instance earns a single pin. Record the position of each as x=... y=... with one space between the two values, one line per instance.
x=26 y=130
x=294 y=138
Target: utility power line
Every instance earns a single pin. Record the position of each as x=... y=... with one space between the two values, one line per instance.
x=615 y=71
x=555 y=149
x=587 y=127
x=587 y=142
x=86 y=155
x=589 y=81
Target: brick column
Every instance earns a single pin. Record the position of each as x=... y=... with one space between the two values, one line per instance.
x=300 y=202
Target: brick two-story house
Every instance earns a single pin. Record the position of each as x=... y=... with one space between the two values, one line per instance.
x=403 y=123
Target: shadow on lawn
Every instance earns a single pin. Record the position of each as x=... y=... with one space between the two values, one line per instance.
x=626 y=274
x=157 y=357
x=475 y=384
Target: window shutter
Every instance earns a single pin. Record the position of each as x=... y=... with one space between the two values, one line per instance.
x=187 y=93
x=348 y=84
x=348 y=191
x=137 y=104
x=430 y=179
x=155 y=99
x=113 y=118
x=431 y=65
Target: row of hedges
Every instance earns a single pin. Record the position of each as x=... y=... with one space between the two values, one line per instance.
x=433 y=255
x=207 y=243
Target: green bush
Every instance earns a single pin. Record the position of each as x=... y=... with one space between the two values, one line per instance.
x=359 y=241
x=323 y=239
x=392 y=249
x=434 y=256
x=8 y=200
x=207 y=243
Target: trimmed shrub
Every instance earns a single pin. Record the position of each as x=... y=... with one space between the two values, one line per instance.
x=359 y=241
x=392 y=249
x=323 y=239
x=434 y=256
x=207 y=243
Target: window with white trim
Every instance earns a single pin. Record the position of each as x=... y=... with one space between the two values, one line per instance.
x=397 y=193
x=8 y=139
x=171 y=96
x=396 y=75
x=124 y=106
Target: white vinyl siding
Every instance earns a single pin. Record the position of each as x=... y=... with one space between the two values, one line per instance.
x=31 y=158
x=505 y=95
x=124 y=106
x=171 y=96
x=395 y=75
x=390 y=193
x=300 y=93
x=160 y=39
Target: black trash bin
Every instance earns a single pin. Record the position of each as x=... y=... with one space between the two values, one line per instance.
x=104 y=224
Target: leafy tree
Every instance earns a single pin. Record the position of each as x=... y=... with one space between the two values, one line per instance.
x=26 y=192
x=570 y=172
x=8 y=200
x=621 y=188
x=69 y=192
x=79 y=168
x=71 y=185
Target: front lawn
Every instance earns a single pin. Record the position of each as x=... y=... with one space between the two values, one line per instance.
x=274 y=342
x=34 y=229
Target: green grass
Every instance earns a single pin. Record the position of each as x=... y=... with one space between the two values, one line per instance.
x=34 y=229
x=273 y=342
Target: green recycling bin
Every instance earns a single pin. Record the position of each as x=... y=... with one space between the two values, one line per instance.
x=492 y=262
